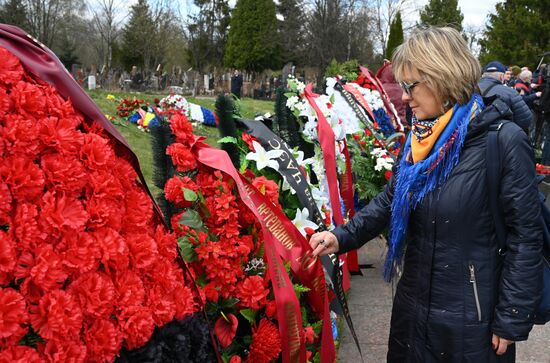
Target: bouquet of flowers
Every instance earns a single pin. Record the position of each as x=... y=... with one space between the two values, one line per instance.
x=86 y=266
x=194 y=112
x=222 y=240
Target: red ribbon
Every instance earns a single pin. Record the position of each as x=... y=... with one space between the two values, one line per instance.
x=327 y=140
x=346 y=188
x=282 y=240
x=359 y=97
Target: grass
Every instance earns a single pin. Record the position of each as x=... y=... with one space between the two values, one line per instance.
x=140 y=142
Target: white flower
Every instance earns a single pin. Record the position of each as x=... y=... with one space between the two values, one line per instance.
x=300 y=87
x=286 y=186
x=298 y=156
x=318 y=197
x=383 y=163
x=301 y=221
x=264 y=158
x=292 y=101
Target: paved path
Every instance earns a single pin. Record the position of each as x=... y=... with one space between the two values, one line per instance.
x=370 y=304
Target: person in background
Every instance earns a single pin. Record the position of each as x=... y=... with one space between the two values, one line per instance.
x=491 y=84
x=515 y=72
x=523 y=86
x=236 y=83
x=458 y=298
x=507 y=77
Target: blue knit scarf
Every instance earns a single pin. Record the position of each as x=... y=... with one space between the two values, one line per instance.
x=415 y=180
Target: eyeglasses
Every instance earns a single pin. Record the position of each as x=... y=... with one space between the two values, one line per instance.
x=408 y=87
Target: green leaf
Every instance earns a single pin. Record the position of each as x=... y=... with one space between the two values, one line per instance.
x=229 y=303
x=201 y=280
x=227 y=140
x=211 y=308
x=191 y=219
x=249 y=314
x=247 y=339
x=317 y=327
x=189 y=195
x=187 y=251
x=299 y=289
x=289 y=94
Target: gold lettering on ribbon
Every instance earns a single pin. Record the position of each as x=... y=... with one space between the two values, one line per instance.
x=281 y=282
x=293 y=332
x=307 y=261
x=276 y=227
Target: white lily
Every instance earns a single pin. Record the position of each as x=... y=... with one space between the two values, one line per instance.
x=264 y=158
x=301 y=221
x=286 y=186
x=318 y=197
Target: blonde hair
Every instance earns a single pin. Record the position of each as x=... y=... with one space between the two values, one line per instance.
x=443 y=60
x=525 y=75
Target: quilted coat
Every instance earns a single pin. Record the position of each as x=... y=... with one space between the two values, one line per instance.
x=456 y=290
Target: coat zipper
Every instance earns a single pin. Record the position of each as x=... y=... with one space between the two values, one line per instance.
x=474 y=285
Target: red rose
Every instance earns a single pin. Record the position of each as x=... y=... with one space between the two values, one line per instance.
x=103 y=340
x=57 y=315
x=266 y=343
x=182 y=157
x=252 y=292
x=95 y=292
x=13 y=315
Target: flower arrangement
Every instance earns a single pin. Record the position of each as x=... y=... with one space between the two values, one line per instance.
x=126 y=106
x=193 y=111
x=221 y=239
x=86 y=267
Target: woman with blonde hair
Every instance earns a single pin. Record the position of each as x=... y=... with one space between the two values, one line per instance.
x=459 y=298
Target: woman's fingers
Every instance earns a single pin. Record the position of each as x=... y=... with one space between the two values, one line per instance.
x=500 y=344
x=323 y=243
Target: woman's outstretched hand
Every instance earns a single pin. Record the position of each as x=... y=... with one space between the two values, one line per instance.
x=323 y=243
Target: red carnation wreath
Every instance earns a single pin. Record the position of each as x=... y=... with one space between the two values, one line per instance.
x=86 y=267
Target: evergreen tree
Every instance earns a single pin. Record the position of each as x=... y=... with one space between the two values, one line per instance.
x=517 y=32
x=14 y=12
x=207 y=34
x=291 y=30
x=137 y=36
x=396 y=35
x=253 y=42
x=442 y=13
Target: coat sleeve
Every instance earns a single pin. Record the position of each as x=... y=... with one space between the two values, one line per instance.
x=521 y=276
x=368 y=222
x=522 y=114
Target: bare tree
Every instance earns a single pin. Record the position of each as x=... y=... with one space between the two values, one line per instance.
x=106 y=23
x=44 y=17
x=473 y=34
x=384 y=12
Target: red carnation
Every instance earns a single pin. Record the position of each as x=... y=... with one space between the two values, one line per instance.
x=5 y=203
x=271 y=309
x=64 y=173
x=129 y=289
x=11 y=70
x=235 y=359
x=174 y=190
x=65 y=350
x=211 y=293
x=252 y=292
x=182 y=128
x=29 y=99
x=114 y=251
x=20 y=354
x=82 y=253
x=185 y=305
x=8 y=258
x=162 y=307
x=182 y=157
x=143 y=250
x=57 y=315
x=103 y=340
x=96 y=153
x=60 y=211
x=266 y=343
x=138 y=326
x=140 y=209
x=23 y=177
x=13 y=315
x=96 y=294
x=61 y=135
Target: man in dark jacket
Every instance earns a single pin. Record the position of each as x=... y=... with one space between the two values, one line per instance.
x=236 y=83
x=490 y=85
